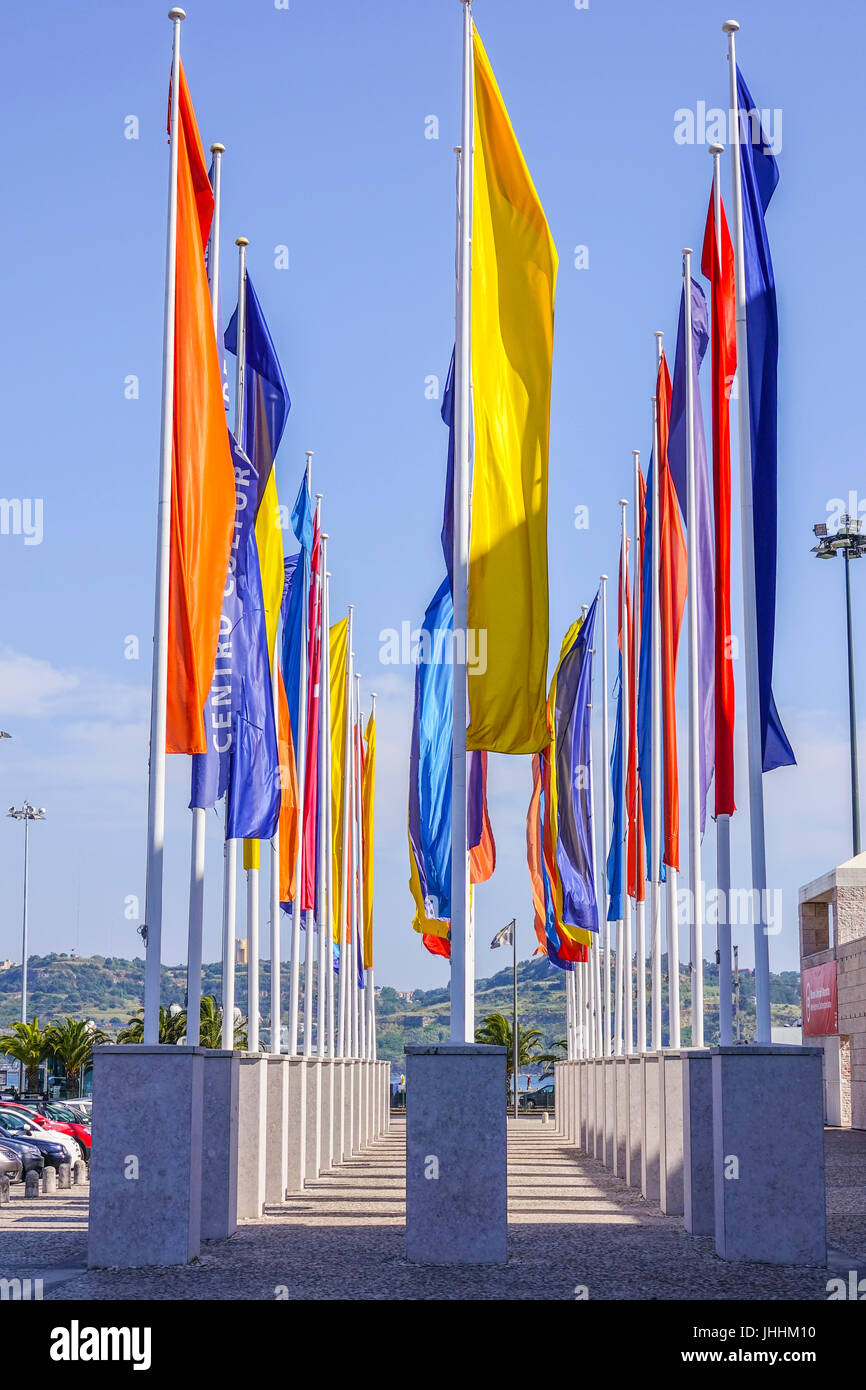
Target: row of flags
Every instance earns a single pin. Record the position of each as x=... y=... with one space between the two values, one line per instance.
x=680 y=549
x=259 y=687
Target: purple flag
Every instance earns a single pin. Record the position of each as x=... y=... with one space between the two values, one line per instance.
x=703 y=539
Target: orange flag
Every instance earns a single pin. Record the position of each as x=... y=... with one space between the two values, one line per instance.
x=673 y=583
x=202 y=477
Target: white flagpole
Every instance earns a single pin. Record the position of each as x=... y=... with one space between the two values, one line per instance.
x=696 y=940
x=357 y=956
x=301 y=762
x=626 y=738
x=230 y=900
x=309 y=914
x=323 y=840
x=197 y=853
x=723 y=822
x=159 y=686
x=619 y=979
x=325 y=738
x=371 y=998
x=640 y=904
x=275 y=875
x=344 y=1041
x=605 y=818
x=462 y=937
x=594 y=1001
x=753 y=694
x=656 y=774
x=569 y=1017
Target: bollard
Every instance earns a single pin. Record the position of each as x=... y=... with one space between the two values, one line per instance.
x=64 y=1175
x=79 y=1172
x=545 y=1118
x=4 y=1191
x=31 y=1184
x=49 y=1180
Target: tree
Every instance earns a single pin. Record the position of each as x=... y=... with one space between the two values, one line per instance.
x=72 y=1043
x=212 y=1024
x=496 y=1029
x=30 y=1045
x=172 y=1026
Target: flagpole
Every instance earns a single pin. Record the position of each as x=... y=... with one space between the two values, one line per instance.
x=462 y=937
x=696 y=937
x=159 y=685
x=325 y=791
x=230 y=899
x=197 y=852
x=358 y=883
x=301 y=764
x=275 y=877
x=323 y=799
x=592 y=1002
x=343 y=1041
x=723 y=821
x=640 y=903
x=753 y=697
x=371 y=1000
x=626 y=739
x=605 y=818
x=569 y=1016
x=656 y=775
x=309 y=913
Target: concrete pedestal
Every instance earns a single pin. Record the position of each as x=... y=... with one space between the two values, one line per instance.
x=219 y=1159
x=574 y=1075
x=358 y=1106
x=276 y=1130
x=145 y=1174
x=597 y=1065
x=671 y=1133
x=456 y=1196
x=634 y=1121
x=313 y=1162
x=608 y=1066
x=252 y=1123
x=296 y=1124
x=649 y=1153
x=589 y=1127
x=326 y=1142
x=348 y=1106
x=768 y=1154
x=582 y=1139
x=698 y=1187
x=559 y=1098
x=620 y=1114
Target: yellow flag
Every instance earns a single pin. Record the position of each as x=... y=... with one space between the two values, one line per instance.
x=513 y=281
x=368 y=796
x=427 y=926
x=338 y=639
x=269 y=541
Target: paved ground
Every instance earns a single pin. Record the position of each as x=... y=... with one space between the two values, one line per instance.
x=571 y=1225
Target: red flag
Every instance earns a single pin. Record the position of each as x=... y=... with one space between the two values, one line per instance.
x=673 y=583
x=202 y=476
x=438 y=945
x=289 y=818
x=482 y=853
x=314 y=682
x=718 y=267
x=635 y=845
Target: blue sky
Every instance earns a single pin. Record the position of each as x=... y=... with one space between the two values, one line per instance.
x=323 y=110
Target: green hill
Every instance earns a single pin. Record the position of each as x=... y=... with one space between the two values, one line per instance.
x=109 y=990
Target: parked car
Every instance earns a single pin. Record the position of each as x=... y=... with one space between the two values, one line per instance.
x=11 y=1166
x=53 y=1154
x=542 y=1098
x=22 y=1126
x=31 y=1159
x=80 y=1133
x=82 y=1109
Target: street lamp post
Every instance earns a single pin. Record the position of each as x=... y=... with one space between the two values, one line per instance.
x=848 y=541
x=27 y=813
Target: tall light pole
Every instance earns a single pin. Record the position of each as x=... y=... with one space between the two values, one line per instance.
x=27 y=813
x=851 y=544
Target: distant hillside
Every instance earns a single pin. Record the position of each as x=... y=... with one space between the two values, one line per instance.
x=109 y=990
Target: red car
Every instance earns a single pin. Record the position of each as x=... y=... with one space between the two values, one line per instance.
x=51 y=1117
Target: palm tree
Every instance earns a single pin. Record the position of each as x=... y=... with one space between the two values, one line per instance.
x=558 y=1052
x=496 y=1029
x=212 y=1024
x=30 y=1045
x=72 y=1042
x=172 y=1026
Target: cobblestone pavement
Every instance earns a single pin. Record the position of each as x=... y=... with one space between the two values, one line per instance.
x=571 y=1226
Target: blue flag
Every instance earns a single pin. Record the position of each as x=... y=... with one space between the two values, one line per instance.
x=572 y=715
x=296 y=605
x=760 y=174
x=430 y=755
x=254 y=782
x=266 y=396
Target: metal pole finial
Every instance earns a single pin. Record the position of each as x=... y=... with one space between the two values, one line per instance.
x=176 y=14
x=217 y=148
x=730 y=26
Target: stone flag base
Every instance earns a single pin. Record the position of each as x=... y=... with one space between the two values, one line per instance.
x=456 y=1194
